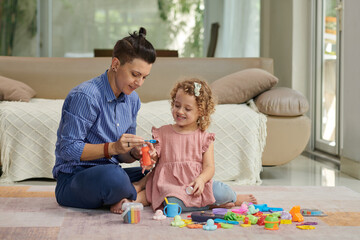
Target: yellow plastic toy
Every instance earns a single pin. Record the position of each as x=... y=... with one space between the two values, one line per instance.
x=285 y=221
x=306 y=227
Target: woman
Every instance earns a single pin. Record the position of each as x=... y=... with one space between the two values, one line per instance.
x=97 y=132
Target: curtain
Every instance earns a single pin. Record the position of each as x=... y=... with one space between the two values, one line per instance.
x=239 y=32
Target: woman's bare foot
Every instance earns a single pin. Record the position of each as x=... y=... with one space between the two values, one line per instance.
x=240 y=198
x=116 y=208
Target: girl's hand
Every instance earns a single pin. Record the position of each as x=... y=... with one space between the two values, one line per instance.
x=153 y=158
x=198 y=184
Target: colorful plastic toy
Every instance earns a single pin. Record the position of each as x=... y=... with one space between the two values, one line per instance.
x=252 y=210
x=204 y=216
x=227 y=225
x=177 y=221
x=258 y=214
x=265 y=208
x=246 y=220
x=252 y=219
x=189 y=190
x=286 y=221
x=186 y=222
x=286 y=215
x=218 y=220
x=221 y=211
x=194 y=225
x=307 y=223
x=261 y=220
x=146 y=161
x=131 y=212
x=159 y=215
x=172 y=209
x=277 y=214
x=312 y=213
x=245 y=225
x=306 y=227
x=296 y=215
x=271 y=222
x=242 y=210
x=151 y=141
x=217 y=224
x=233 y=216
x=210 y=226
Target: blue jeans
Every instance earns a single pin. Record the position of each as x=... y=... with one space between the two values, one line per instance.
x=222 y=194
x=94 y=187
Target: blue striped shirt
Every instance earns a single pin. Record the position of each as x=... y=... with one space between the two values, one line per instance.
x=92 y=114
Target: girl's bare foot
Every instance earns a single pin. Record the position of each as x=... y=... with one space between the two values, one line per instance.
x=137 y=186
x=141 y=198
x=240 y=198
x=116 y=208
x=225 y=205
x=140 y=185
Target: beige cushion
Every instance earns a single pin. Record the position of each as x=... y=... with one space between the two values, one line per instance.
x=242 y=86
x=12 y=90
x=282 y=101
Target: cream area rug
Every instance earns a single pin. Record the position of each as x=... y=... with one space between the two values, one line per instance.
x=31 y=212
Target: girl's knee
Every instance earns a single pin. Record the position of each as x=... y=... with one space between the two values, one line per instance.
x=223 y=193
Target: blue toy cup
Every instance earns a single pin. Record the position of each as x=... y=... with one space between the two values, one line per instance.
x=172 y=209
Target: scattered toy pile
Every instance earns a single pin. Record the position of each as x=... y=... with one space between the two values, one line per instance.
x=247 y=215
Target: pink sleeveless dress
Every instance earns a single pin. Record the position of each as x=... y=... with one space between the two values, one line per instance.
x=180 y=162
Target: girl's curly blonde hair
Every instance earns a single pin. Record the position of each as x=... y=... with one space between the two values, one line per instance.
x=205 y=101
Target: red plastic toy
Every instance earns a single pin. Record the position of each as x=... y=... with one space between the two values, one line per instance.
x=261 y=221
x=146 y=161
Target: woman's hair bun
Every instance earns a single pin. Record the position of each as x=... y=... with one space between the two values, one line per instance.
x=142 y=32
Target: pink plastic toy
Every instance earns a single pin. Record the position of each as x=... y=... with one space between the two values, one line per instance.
x=242 y=210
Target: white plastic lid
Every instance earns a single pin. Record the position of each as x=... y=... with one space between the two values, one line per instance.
x=135 y=205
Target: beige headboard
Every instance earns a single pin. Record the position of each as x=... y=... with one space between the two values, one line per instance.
x=53 y=78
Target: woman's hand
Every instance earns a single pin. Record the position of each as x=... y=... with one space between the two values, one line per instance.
x=126 y=143
x=198 y=184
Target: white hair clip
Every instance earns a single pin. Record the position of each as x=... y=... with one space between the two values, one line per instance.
x=197 y=89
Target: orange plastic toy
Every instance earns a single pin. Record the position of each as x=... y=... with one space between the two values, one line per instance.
x=145 y=155
x=296 y=215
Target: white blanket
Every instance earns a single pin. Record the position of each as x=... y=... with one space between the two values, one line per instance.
x=28 y=136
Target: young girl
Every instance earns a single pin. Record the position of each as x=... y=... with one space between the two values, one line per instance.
x=185 y=155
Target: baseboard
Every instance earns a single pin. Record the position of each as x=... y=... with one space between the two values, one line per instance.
x=350 y=167
x=327 y=159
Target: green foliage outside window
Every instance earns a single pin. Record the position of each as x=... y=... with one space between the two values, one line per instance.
x=172 y=10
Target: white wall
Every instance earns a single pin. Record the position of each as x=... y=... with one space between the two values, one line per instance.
x=350 y=87
x=285 y=37
x=277 y=37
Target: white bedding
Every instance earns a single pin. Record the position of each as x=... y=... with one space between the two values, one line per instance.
x=28 y=136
